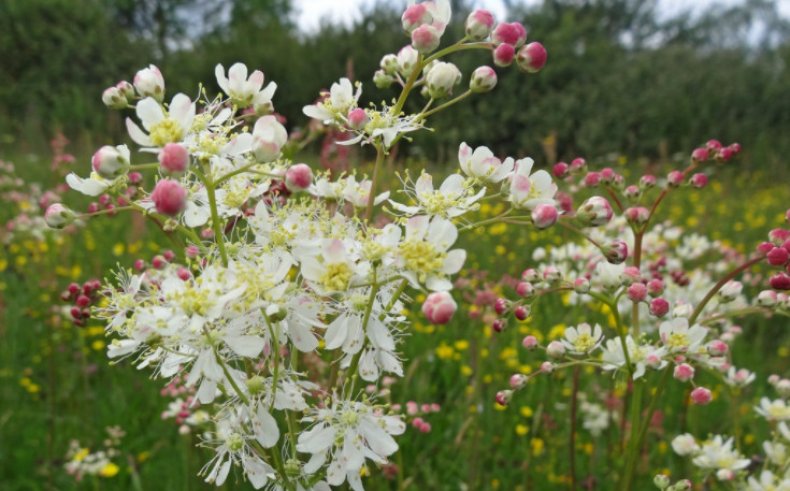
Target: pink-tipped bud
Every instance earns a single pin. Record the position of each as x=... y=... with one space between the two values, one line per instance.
x=58 y=216
x=684 y=372
x=713 y=145
x=765 y=247
x=138 y=265
x=184 y=274
x=780 y=281
x=169 y=197
x=517 y=381
x=135 y=178
x=637 y=215
x=595 y=211
x=503 y=397
x=655 y=287
x=439 y=307
x=521 y=312
x=504 y=54
x=525 y=289
x=174 y=158
x=512 y=33
x=700 y=154
x=531 y=275
x=425 y=38
x=699 y=180
x=647 y=181
x=479 y=24
x=675 y=178
x=561 y=170
x=158 y=262
x=532 y=57
x=778 y=236
x=113 y=98
x=717 y=347
x=581 y=285
x=415 y=16
x=546 y=367
x=637 y=292
x=82 y=301
x=701 y=396
x=498 y=325
x=150 y=83
x=659 y=307
x=169 y=255
x=483 y=79
x=500 y=306
x=578 y=164
x=767 y=298
x=111 y=162
x=544 y=216
x=298 y=177
x=777 y=256
x=555 y=349
x=632 y=192
x=616 y=251
x=192 y=251
x=358 y=118
x=592 y=179
x=530 y=342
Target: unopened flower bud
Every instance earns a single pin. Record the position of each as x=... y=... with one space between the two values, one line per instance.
x=560 y=170
x=544 y=216
x=767 y=298
x=389 y=64
x=484 y=79
x=517 y=381
x=500 y=306
x=414 y=16
x=546 y=367
x=780 y=281
x=682 y=485
x=730 y=291
x=555 y=349
x=637 y=215
x=701 y=396
x=479 y=24
x=718 y=347
x=655 y=287
x=595 y=211
x=592 y=179
x=111 y=162
x=357 y=118
x=700 y=154
x=298 y=177
x=439 y=307
x=512 y=33
x=382 y=80
x=174 y=158
x=699 y=180
x=531 y=275
x=777 y=256
x=521 y=312
x=637 y=292
x=425 y=38
x=504 y=54
x=498 y=325
x=525 y=289
x=577 y=165
x=169 y=197
x=581 y=285
x=632 y=192
x=113 y=98
x=532 y=57
x=551 y=274
x=647 y=181
x=407 y=60
x=684 y=372
x=503 y=397
x=661 y=481
x=150 y=83
x=58 y=216
x=441 y=79
x=675 y=178
x=530 y=342
x=616 y=251
x=659 y=307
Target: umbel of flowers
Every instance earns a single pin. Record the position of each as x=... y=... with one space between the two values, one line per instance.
x=278 y=270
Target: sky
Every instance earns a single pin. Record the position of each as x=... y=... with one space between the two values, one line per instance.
x=310 y=12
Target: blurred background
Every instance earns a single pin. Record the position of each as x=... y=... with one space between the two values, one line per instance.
x=641 y=78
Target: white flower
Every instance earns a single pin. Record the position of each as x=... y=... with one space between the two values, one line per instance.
x=641 y=356
x=163 y=127
x=334 y=269
x=718 y=454
x=684 y=445
x=242 y=90
x=608 y=276
x=481 y=164
x=348 y=432
x=739 y=377
x=268 y=138
x=341 y=98
x=776 y=410
x=530 y=190
x=776 y=452
x=358 y=193
x=424 y=252
x=769 y=482
x=582 y=339
x=678 y=337
x=92 y=186
x=452 y=199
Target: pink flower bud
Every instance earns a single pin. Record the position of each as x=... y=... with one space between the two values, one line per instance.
x=169 y=197
x=725 y=154
x=439 y=307
x=592 y=179
x=778 y=236
x=767 y=298
x=184 y=274
x=517 y=381
x=500 y=306
x=530 y=342
x=414 y=16
x=552 y=274
x=425 y=38
x=578 y=164
x=192 y=251
x=504 y=54
x=616 y=251
x=298 y=177
x=525 y=289
x=158 y=262
x=169 y=255
x=82 y=301
x=595 y=211
x=546 y=367
x=637 y=215
x=532 y=57
x=632 y=192
x=684 y=372
x=138 y=265
x=637 y=292
x=699 y=180
x=113 y=98
x=555 y=349
x=655 y=287
x=581 y=285
x=479 y=24
x=560 y=170
x=675 y=178
x=718 y=347
x=503 y=397
x=777 y=256
x=713 y=145
x=135 y=178
x=512 y=33
x=521 y=312
x=412 y=408
x=765 y=247
x=780 y=281
x=358 y=118
x=58 y=216
x=110 y=162
x=531 y=275
x=700 y=154
x=544 y=216
x=659 y=307
x=608 y=175
x=174 y=158
x=647 y=181
x=498 y=325
x=483 y=79
x=701 y=396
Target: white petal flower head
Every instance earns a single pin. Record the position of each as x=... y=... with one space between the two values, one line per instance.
x=424 y=252
x=685 y=445
x=452 y=199
x=769 y=482
x=92 y=186
x=641 y=356
x=335 y=268
x=608 y=276
x=358 y=193
x=242 y=90
x=481 y=163
x=530 y=190
x=342 y=97
x=718 y=454
x=678 y=337
x=268 y=138
x=582 y=339
x=162 y=126
x=776 y=410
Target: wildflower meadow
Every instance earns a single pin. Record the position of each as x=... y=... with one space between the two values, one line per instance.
x=221 y=298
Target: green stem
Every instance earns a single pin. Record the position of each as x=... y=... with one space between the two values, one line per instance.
x=732 y=274
x=445 y=105
x=219 y=236
x=374 y=178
